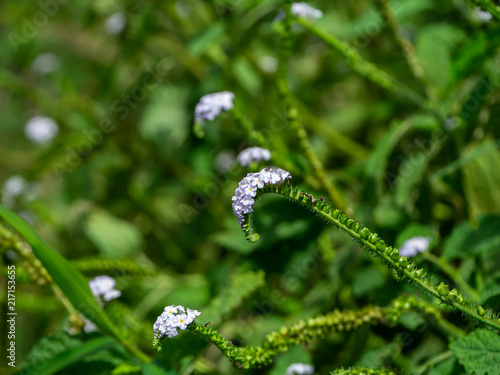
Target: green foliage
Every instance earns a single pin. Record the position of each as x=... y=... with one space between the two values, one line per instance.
x=386 y=110
x=478 y=352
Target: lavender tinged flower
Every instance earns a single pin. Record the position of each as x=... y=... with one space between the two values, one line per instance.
x=299 y=369
x=103 y=287
x=483 y=15
x=247 y=189
x=115 y=23
x=303 y=10
x=41 y=130
x=173 y=317
x=253 y=154
x=211 y=105
x=414 y=246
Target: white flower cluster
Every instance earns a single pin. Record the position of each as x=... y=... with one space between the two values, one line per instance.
x=299 y=369
x=253 y=154
x=41 y=130
x=173 y=317
x=46 y=63
x=211 y=105
x=303 y=10
x=247 y=189
x=104 y=287
x=414 y=246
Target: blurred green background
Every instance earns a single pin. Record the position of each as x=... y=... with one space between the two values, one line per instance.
x=125 y=178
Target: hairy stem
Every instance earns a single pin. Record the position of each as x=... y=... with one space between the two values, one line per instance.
x=376 y=246
x=452 y=274
x=293 y=114
x=313 y=328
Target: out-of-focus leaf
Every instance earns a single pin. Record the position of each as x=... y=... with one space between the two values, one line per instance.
x=466 y=241
x=115 y=238
x=67 y=357
x=366 y=280
x=410 y=173
x=240 y=288
x=433 y=50
x=165 y=120
x=478 y=352
x=153 y=369
x=481 y=179
x=71 y=282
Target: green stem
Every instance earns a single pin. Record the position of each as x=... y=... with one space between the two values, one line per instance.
x=369 y=70
x=433 y=362
x=293 y=114
x=406 y=47
x=452 y=274
x=313 y=328
x=371 y=241
x=249 y=127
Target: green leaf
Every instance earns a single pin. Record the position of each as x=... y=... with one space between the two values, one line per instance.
x=481 y=178
x=65 y=358
x=479 y=352
x=295 y=354
x=410 y=173
x=240 y=288
x=153 y=369
x=366 y=280
x=115 y=238
x=433 y=49
x=71 y=282
x=465 y=241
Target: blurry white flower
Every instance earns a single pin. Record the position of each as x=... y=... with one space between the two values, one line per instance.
x=414 y=246
x=89 y=327
x=253 y=154
x=14 y=186
x=115 y=23
x=103 y=287
x=299 y=369
x=303 y=10
x=483 y=15
x=224 y=161
x=211 y=105
x=247 y=189
x=173 y=317
x=45 y=63
x=268 y=64
x=41 y=130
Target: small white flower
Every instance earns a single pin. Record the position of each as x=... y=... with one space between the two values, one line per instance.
x=299 y=369
x=14 y=186
x=414 y=246
x=115 y=23
x=247 y=189
x=45 y=63
x=103 y=287
x=89 y=327
x=41 y=130
x=303 y=10
x=211 y=105
x=173 y=317
x=253 y=155
x=483 y=15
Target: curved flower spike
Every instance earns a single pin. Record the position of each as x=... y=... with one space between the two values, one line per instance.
x=171 y=318
x=243 y=198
